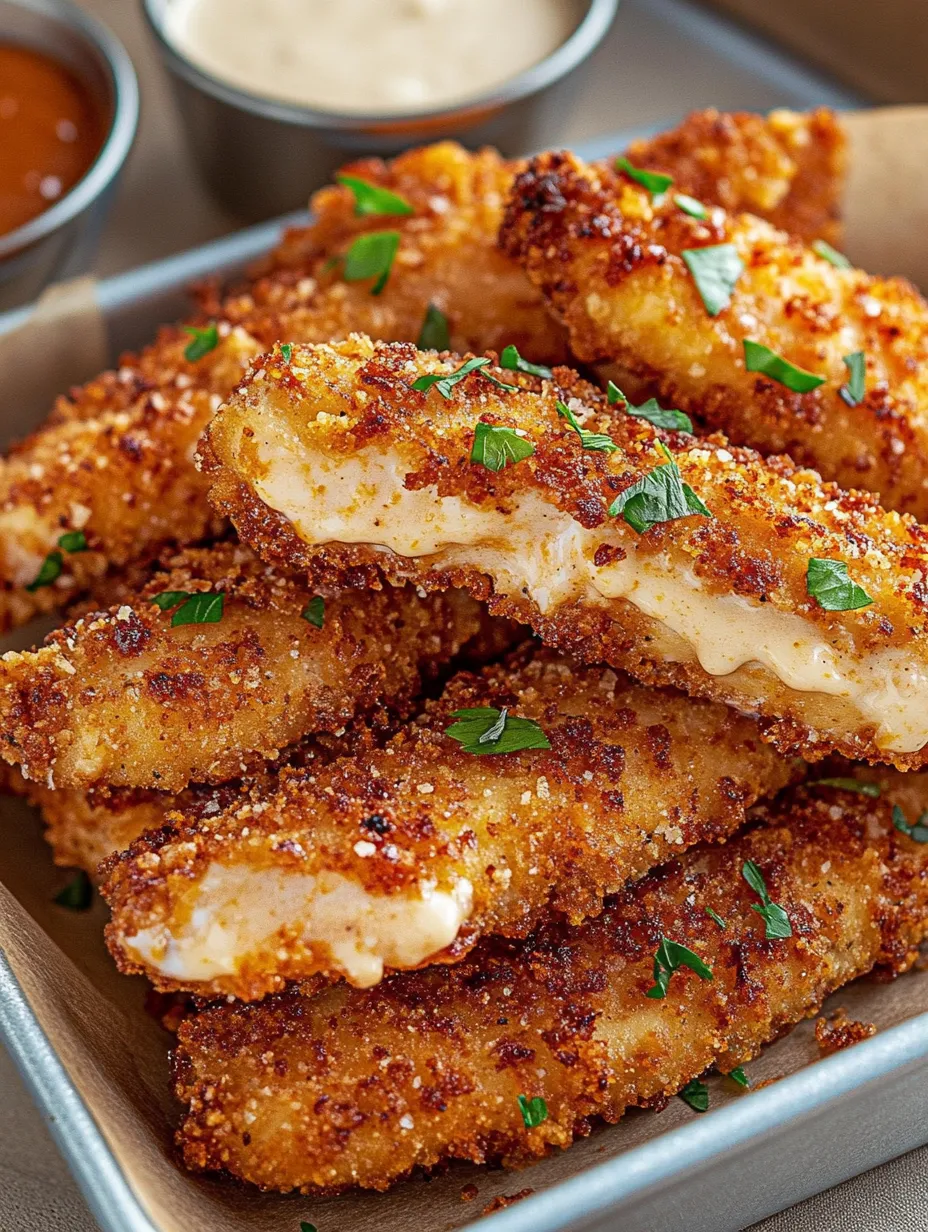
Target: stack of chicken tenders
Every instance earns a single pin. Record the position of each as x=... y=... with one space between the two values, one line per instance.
x=494 y=685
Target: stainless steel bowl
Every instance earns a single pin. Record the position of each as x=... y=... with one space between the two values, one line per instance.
x=61 y=241
x=262 y=157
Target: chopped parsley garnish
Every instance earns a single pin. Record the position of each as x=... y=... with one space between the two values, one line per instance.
x=286 y=351
x=77 y=895
x=204 y=608
x=73 y=541
x=50 y=569
x=534 y=1111
x=696 y=1094
x=823 y=249
x=600 y=442
x=674 y=421
x=918 y=832
x=496 y=447
x=828 y=583
x=715 y=271
x=855 y=388
x=669 y=957
x=434 y=334
x=714 y=915
x=307 y=1227
x=485 y=729
x=689 y=205
x=738 y=1075
x=654 y=181
x=758 y=358
x=445 y=382
x=314 y=611
x=659 y=496
x=202 y=341
x=865 y=789
x=513 y=361
x=776 y=921
x=371 y=256
x=369 y=199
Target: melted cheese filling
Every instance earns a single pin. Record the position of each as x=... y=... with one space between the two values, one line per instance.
x=243 y=914
x=544 y=553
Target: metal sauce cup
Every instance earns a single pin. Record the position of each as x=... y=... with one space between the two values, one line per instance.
x=61 y=241
x=261 y=157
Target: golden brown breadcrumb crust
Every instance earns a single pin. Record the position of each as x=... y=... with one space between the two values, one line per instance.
x=633 y=776
x=122 y=697
x=787 y=167
x=338 y=404
x=609 y=260
x=359 y=1087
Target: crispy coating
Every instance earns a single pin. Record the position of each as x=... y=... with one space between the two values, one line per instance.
x=787 y=167
x=609 y=261
x=359 y=1087
x=633 y=776
x=123 y=698
x=335 y=464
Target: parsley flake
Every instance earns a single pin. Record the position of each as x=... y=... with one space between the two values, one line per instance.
x=73 y=541
x=654 y=181
x=513 y=361
x=828 y=583
x=434 y=334
x=714 y=915
x=484 y=729
x=853 y=392
x=758 y=358
x=49 y=571
x=286 y=351
x=776 y=921
x=864 y=789
x=307 y=1227
x=659 y=496
x=674 y=421
x=696 y=1094
x=202 y=341
x=371 y=256
x=534 y=1111
x=77 y=895
x=918 y=833
x=738 y=1075
x=669 y=957
x=823 y=249
x=445 y=382
x=202 y=608
x=689 y=205
x=314 y=611
x=715 y=271
x=600 y=442
x=496 y=447
x=369 y=199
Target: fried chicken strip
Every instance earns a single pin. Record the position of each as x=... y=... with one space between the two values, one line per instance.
x=127 y=699
x=359 y=1087
x=408 y=853
x=786 y=167
x=337 y=465
x=611 y=264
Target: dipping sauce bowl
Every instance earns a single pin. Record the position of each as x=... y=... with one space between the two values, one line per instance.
x=262 y=157
x=58 y=241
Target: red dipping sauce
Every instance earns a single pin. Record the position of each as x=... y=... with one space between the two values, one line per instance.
x=50 y=133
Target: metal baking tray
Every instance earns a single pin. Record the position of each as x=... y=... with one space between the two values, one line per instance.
x=717 y=1173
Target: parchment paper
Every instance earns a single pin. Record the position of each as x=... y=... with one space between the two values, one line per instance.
x=117 y=1056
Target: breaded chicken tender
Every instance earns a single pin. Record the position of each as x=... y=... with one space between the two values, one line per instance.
x=408 y=853
x=114 y=459
x=336 y=464
x=787 y=167
x=133 y=697
x=359 y=1087
x=612 y=263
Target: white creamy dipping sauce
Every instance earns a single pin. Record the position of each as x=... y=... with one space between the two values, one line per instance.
x=368 y=56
